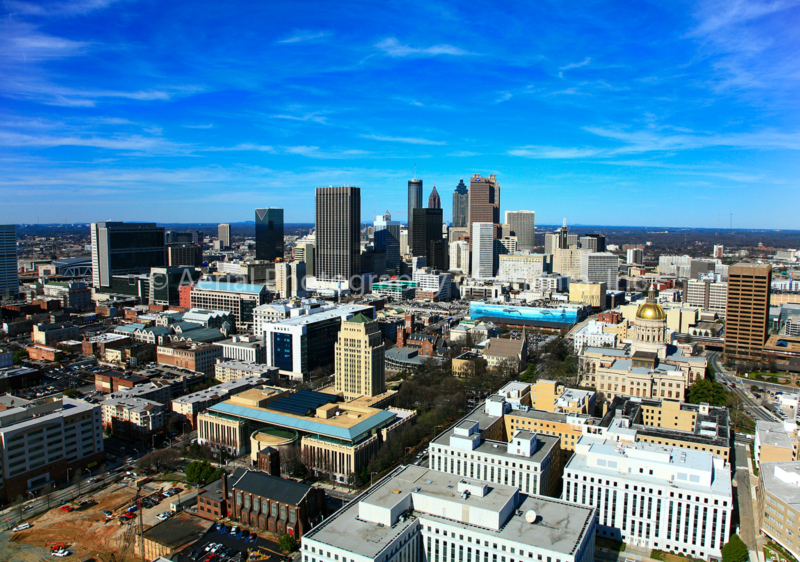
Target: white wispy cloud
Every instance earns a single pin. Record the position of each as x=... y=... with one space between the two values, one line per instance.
x=572 y=65
x=23 y=42
x=200 y=126
x=406 y=140
x=304 y=37
x=125 y=143
x=55 y=9
x=715 y=15
x=554 y=152
x=315 y=117
x=393 y=48
x=243 y=147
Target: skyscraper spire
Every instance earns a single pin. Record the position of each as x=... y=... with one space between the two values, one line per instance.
x=434 y=201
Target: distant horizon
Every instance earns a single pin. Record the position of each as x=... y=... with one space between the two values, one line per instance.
x=538 y=226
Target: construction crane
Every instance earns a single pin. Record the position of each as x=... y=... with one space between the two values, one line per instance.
x=130 y=532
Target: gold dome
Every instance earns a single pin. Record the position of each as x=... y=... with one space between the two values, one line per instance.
x=651 y=311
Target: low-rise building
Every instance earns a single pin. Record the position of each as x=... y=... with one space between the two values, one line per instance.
x=432 y=284
x=503 y=352
x=244 y=348
x=71 y=294
x=200 y=357
x=153 y=391
x=336 y=439
x=266 y=502
x=593 y=294
x=132 y=418
x=50 y=334
x=189 y=405
x=417 y=514
x=775 y=442
x=653 y=496
x=112 y=381
x=228 y=371
x=593 y=334
x=671 y=423
x=779 y=503
x=395 y=289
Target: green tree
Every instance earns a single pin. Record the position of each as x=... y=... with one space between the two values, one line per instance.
x=287 y=543
x=201 y=472
x=529 y=374
x=19 y=355
x=735 y=550
x=70 y=392
x=708 y=391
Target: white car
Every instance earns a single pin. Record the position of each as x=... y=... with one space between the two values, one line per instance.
x=61 y=552
x=164 y=516
x=21 y=527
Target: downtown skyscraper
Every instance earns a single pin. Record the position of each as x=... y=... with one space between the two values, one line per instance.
x=414 y=202
x=484 y=201
x=269 y=234
x=120 y=248
x=434 y=201
x=427 y=239
x=338 y=235
x=461 y=205
x=9 y=278
x=522 y=225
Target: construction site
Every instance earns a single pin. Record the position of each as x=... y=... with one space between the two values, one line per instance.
x=103 y=527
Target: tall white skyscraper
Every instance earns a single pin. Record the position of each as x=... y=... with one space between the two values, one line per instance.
x=522 y=224
x=482 y=250
x=459 y=256
x=9 y=279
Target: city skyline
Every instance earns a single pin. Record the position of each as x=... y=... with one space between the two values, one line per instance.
x=686 y=113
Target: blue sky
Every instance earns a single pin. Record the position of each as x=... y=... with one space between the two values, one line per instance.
x=618 y=113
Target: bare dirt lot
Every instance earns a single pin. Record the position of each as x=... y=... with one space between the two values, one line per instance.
x=83 y=531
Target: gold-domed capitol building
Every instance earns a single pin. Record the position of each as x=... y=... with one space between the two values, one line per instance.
x=650 y=328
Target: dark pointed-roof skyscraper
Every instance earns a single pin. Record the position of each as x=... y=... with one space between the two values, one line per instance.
x=461 y=205
x=269 y=234
x=434 y=201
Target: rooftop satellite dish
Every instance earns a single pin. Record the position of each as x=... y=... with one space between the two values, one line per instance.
x=530 y=516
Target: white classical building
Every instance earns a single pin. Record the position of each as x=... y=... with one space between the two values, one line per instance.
x=592 y=335
x=420 y=515
x=654 y=496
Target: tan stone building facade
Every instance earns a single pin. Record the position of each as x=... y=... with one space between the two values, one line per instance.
x=359 y=359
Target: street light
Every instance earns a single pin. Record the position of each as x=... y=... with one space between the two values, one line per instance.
x=370 y=478
x=89 y=471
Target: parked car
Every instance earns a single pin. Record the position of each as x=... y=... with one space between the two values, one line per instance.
x=21 y=527
x=234 y=531
x=107 y=513
x=61 y=552
x=27 y=507
x=253 y=537
x=244 y=534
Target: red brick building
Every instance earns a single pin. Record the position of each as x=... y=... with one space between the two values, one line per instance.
x=610 y=317
x=185 y=296
x=112 y=381
x=262 y=501
x=43 y=352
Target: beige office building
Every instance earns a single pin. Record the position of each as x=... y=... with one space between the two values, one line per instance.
x=747 y=314
x=593 y=294
x=360 y=359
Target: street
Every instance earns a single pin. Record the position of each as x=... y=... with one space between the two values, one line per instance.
x=741 y=389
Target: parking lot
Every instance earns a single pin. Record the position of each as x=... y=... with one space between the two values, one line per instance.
x=269 y=549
